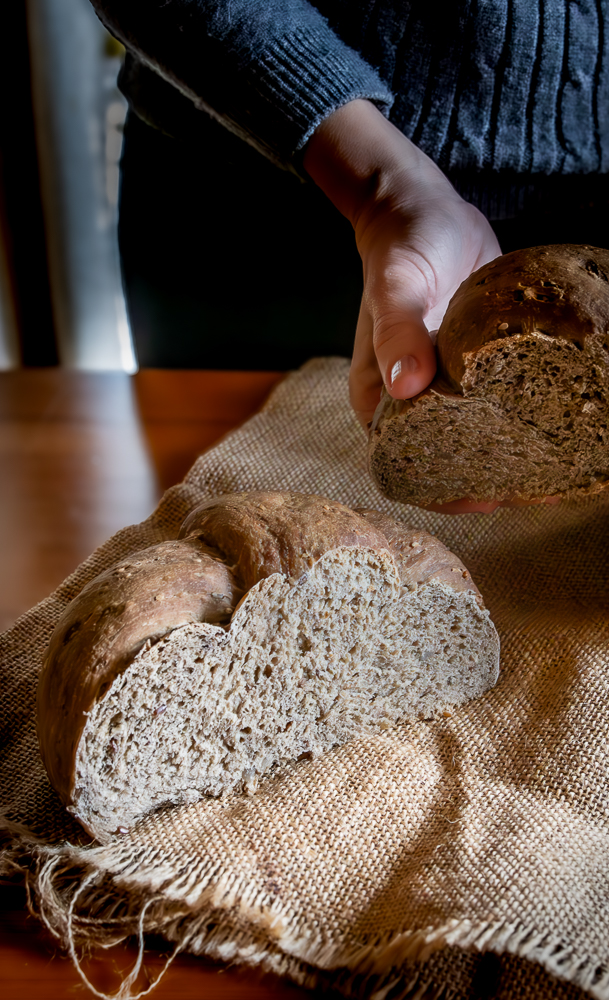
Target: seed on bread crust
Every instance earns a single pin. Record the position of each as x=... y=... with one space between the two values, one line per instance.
x=519 y=409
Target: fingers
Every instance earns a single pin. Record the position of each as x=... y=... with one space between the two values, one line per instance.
x=392 y=344
x=405 y=354
x=464 y=507
x=399 y=354
x=365 y=382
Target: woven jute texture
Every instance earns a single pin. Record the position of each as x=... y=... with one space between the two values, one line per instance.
x=395 y=865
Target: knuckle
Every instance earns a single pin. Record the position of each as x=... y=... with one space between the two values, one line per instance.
x=385 y=332
x=393 y=326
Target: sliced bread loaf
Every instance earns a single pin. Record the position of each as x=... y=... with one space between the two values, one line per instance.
x=155 y=691
x=519 y=409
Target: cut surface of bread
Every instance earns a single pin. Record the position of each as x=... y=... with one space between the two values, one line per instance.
x=365 y=637
x=519 y=409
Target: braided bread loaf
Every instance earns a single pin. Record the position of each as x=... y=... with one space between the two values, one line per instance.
x=519 y=409
x=277 y=625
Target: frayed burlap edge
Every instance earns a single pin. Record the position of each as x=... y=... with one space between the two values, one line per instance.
x=87 y=900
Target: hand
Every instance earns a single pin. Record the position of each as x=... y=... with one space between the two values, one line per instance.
x=485 y=507
x=417 y=238
x=418 y=241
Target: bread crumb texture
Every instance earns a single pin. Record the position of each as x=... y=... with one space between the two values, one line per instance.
x=520 y=407
x=366 y=638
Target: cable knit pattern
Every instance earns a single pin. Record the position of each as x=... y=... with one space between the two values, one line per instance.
x=270 y=70
x=514 y=86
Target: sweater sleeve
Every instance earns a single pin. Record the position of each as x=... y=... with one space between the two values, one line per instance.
x=270 y=70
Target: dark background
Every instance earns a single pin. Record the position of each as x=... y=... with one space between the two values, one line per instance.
x=20 y=206
x=228 y=262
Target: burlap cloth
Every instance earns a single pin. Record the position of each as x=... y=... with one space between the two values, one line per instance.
x=398 y=864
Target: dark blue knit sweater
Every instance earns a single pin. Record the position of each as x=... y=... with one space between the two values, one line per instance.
x=510 y=86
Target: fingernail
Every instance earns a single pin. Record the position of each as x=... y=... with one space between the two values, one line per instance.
x=405 y=366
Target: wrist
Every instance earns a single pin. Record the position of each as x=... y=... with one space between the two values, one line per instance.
x=365 y=165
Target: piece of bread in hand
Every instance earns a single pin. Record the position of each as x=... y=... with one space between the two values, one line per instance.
x=278 y=625
x=519 y=409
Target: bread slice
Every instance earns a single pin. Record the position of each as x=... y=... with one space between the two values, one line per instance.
x=519 y=409
x=350 y=623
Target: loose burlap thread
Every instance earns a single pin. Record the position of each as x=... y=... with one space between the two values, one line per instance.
x=395 y=864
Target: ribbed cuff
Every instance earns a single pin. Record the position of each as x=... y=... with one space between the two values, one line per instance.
x=300 y=80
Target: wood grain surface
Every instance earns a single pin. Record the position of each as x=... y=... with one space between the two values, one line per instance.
x=82 y=455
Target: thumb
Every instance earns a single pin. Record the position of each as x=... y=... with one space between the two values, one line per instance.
x=404 y=352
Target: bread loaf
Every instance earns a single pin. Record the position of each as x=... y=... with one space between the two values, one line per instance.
x=519 y=409
x=278 y=625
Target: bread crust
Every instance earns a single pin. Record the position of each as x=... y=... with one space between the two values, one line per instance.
x=134 y=603
x=421 y=557
x=519 y=409
x=269 y=532
x=561 y=291
x=227 y=547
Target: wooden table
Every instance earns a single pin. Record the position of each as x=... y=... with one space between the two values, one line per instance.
x=82 y=455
